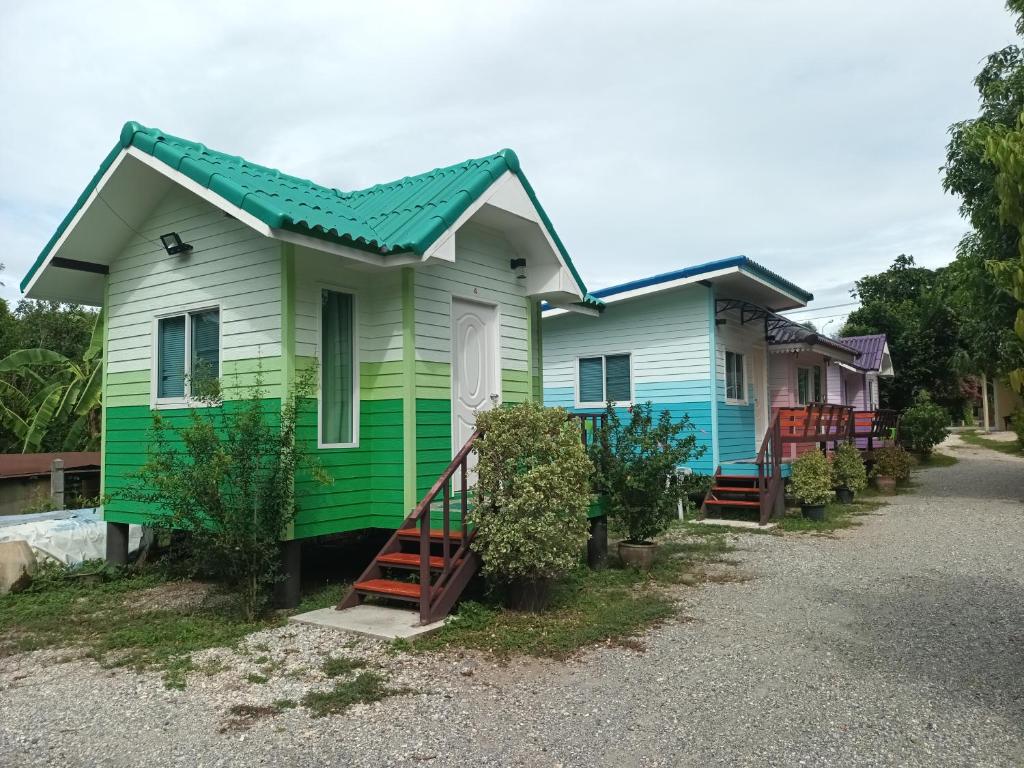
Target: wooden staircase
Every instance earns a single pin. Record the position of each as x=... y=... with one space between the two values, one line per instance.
x=819 y=423
x=421 y=564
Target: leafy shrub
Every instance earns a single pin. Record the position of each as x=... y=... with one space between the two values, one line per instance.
x=227 y=478
x=1017 y=424
x=636 y=465
x=892 y=462
x=534 y=492
x=811 y=479
x=923 y=425
x=848 y=469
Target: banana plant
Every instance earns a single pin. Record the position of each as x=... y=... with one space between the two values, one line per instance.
x=55 y=391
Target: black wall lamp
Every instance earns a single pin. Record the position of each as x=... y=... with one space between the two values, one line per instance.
x=519 y=267
x=172 y=244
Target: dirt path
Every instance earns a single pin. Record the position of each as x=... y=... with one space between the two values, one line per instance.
x=897 y=643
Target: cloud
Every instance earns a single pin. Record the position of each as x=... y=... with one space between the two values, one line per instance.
x=657 y=134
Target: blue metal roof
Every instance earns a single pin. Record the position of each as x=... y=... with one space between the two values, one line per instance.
x=742 y=262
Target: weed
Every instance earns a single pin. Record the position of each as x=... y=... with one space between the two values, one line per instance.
x=973 y=437
x=256 y=678
x=837 y=517
x=365 y=688
x=283 y=704
x=936 y=459
x=336 y=666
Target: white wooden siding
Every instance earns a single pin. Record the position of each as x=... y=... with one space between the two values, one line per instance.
x=378 y=302
x=734 y=337
x=481 y=272
x=230 y=265
x=666 y=334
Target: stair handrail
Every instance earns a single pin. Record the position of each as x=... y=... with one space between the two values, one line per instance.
x=431 y=592
x=769 y=469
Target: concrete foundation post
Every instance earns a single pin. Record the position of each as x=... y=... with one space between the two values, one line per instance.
x=117 y=543
x=286 y=591
x=597 y=545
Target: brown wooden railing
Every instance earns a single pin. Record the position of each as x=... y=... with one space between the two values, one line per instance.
x=873 y=427
x=591 y=425
x=435 y=594
x=769 y=470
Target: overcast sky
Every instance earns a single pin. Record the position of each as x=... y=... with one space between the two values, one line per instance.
x=806 y=134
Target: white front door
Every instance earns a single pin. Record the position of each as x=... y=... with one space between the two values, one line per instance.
x=474 y=367
x=759 y=378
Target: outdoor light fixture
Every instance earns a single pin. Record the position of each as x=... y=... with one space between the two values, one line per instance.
x=172 y=244
x=519 y=267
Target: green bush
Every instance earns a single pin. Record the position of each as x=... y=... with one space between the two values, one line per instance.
x=534 y=492
x=848 y=469
x=636 y=465
x=1017 y=424
x=923 y=425
x=227 y=478
x=811 y=479
x=892 y=462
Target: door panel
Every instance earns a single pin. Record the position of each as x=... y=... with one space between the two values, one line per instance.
x=474 y=367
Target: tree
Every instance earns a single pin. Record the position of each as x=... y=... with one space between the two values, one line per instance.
x=983 y=308
x=909 y=305
x=63 y=405
x=50 y=376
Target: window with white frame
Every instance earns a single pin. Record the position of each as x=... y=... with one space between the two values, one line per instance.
x=735 y=376
x=808 y=385
x=604 y=378
x=187 y=355
x=338 y=383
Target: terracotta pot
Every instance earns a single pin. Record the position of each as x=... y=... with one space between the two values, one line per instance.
x=885 y=484
x=639 y=556
x=845 y=495
x=814 y=512
x=528 y=594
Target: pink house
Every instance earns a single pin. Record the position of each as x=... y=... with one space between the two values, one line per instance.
x=857 y=385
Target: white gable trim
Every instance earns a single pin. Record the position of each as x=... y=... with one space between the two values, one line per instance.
x=74 y=222
x=443 y=247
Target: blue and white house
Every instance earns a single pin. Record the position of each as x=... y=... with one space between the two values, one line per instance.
x=695 y=341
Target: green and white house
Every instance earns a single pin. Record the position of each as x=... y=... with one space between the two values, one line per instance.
x=419 y=299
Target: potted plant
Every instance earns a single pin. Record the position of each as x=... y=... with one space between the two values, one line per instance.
x=533 y=489
x=848 y=473
x=811 y=484
x=891 y=465
x=636 y=463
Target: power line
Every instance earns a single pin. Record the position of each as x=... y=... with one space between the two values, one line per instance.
x=818 y=309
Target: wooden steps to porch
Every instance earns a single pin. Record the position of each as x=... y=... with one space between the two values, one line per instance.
x=422 y=564
x=732 y=493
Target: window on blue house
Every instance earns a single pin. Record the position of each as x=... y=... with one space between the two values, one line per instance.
x=605 y=378
x=188 y=354
x=735 y=382
x=337 y=369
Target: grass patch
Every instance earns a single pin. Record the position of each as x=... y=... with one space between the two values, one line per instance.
x=336 y=666
x=936 y=459
x=367 y=687
x=257 y=679
x=587 y=607
x=837 y=517
x=120 y=620
x=973 y=437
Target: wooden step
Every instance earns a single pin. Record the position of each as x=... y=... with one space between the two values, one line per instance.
x=436 y=534
x=728 y=503
x=409 y=560
x=727 y=489
x=388 y=588
x=737 y=478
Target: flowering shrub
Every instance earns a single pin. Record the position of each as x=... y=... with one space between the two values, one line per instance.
x=848 y=469
x=811 y=480
x=533 y=493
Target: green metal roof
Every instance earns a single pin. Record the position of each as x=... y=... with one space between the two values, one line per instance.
x=403 y=216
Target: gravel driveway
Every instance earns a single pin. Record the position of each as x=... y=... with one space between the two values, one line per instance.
x=897 y=643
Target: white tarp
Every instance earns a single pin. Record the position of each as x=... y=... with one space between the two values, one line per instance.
x=69 y=536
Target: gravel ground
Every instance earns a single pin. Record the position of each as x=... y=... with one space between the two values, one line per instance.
x=893 y=644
